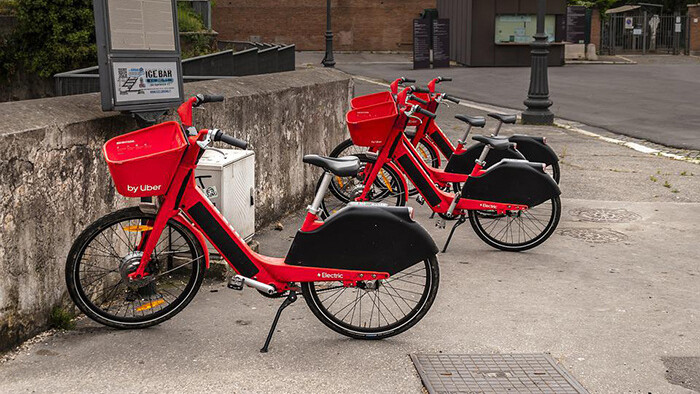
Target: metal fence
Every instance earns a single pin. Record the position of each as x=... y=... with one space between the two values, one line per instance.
x=645 y=33
x=258 y=59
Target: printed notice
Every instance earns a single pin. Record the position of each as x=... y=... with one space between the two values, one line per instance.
x=145 y=81
x=141 y=25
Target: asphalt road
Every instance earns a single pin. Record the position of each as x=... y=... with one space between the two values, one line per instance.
x=656 y=99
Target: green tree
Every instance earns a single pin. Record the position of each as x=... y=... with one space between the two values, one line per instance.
x=52 y=36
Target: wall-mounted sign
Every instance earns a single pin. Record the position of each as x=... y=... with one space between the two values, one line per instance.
x=138 y=81
x=677 y=28
x=629 y=22
x=441 y=43
x=421 y=43
x=637 y=32
x=138 y=50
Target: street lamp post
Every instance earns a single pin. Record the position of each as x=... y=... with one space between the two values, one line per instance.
x=328 y=60
x=538 y=101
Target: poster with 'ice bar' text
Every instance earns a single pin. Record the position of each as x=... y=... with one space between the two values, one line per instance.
x=139 y=81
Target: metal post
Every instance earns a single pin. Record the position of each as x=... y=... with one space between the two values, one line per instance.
x=676 y=35
x=538 y=101
x=328 y=60
x=644 y=34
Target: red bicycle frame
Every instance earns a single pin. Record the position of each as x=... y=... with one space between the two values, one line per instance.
x=187 y=204
x=398 y=150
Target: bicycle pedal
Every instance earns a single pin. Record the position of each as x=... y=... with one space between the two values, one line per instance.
x=441 y=223
x=236 y=283
x=420 y=200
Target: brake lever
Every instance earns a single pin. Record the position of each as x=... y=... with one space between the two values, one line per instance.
x=410 y=113
x=204 y=144
x=415 y=117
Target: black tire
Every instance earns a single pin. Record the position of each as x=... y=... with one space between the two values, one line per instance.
x=554 y=171
x=425 y=151
x=347 y=148
x=84 y=251
x=342 y=190
x=398 y=325
x=429 y=156
x=485 y=232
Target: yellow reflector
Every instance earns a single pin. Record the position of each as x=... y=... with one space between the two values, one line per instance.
x=150 y=305
x=422 y=151
x=340 y=181
x=386 y=181
x=138 y=228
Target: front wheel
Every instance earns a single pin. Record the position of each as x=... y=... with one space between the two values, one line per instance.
x=516 y=231
x=376 y=309
x=107 y=251
x=388 y=187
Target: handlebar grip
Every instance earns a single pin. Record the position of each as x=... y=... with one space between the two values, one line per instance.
x=445 y=79
x=416 y=99
x=212 y=98
x=408 y=80
x=450 y=98
x=425 y=112
x=418 y=89
x=233 y=141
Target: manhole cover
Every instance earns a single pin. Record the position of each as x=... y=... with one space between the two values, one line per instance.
x=604 y=215
x=594 y=235
x=493 y=373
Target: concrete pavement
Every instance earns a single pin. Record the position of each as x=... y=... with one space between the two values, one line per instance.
x=613 y=296
x=656 y=99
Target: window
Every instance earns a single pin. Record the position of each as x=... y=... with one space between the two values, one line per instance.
x=521 y=28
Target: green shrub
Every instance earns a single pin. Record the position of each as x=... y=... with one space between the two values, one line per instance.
x=52 y=36
x=187 y=19
x=61 y=319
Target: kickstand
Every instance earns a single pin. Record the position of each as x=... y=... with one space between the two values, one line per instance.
x=459 y=222
x=432 y=215
x=290 y=299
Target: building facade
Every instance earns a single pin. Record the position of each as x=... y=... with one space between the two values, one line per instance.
x=358 y=25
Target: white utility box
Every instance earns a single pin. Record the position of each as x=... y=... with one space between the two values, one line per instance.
x=229 y=183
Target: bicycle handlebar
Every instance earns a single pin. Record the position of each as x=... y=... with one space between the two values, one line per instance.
x=207 y=98
x=418 y=89
x=233 y=141
x=450 y=98
x=424 y=112
x=416 y=99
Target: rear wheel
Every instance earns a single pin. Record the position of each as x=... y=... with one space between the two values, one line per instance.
x=375 y=309
x=517 y=230
x=106 y=252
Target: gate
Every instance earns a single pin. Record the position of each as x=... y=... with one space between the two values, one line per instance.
x=645 y=33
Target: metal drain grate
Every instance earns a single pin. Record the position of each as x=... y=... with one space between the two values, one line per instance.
x=594 y=235
x=493 y=373
x=604 y=215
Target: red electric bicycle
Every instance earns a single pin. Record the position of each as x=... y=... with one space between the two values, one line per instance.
x=140 y=266
x=429 y=140
x=513 y=205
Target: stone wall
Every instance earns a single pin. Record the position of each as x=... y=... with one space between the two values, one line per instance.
x=358 y=25
x=54 y=182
